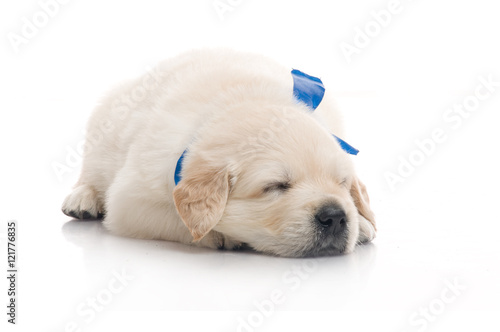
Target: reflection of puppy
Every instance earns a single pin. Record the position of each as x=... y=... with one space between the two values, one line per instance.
x=260 y=169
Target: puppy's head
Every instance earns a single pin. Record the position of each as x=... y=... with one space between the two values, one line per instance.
x=278 y=182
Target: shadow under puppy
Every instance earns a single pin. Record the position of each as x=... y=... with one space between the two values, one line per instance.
x=220 y=148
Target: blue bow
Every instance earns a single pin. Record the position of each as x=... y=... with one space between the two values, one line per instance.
x=310 y=90
x=307 y=89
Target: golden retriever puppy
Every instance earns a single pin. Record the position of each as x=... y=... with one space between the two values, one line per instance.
x=255 y=165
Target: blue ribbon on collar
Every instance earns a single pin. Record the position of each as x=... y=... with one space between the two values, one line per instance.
x=178 y=168
x=310 y=90
x=307 y=89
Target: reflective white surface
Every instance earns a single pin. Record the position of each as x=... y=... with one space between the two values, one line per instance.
x=435 y=264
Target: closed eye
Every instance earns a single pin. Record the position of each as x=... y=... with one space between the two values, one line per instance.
x=277 y=187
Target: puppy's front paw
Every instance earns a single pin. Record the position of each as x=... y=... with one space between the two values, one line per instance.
x=83 y=203
x=366 y=230
x=220 y=241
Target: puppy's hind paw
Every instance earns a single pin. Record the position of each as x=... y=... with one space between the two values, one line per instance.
x=83 y=203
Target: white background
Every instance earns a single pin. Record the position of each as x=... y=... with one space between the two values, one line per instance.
x=439 y=225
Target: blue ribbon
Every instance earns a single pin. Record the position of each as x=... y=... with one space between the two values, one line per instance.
x=307 y=89
x=310 y=90
x=178 y=168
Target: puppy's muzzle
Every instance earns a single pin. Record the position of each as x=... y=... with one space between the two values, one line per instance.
x=331 y=224
x=332 y=219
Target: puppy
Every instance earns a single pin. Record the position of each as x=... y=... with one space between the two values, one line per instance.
x=256 y=166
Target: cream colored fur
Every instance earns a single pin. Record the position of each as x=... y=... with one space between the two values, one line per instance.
x=236 y=114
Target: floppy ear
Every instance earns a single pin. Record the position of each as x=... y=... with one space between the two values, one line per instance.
x=200 y=199
x=362 y=201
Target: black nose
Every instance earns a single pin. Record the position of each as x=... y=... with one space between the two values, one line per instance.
x=333 y=218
